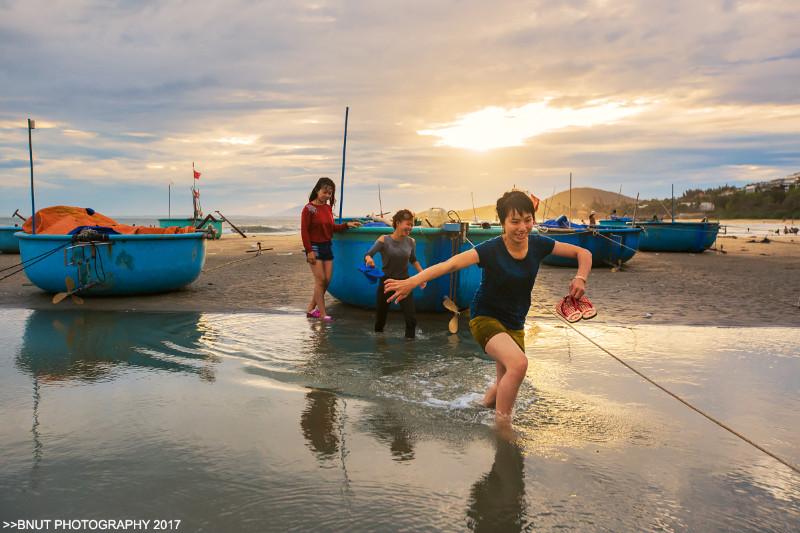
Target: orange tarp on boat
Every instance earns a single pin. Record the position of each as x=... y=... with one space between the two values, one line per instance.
x=63 y=219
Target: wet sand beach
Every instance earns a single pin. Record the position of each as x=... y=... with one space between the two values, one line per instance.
x=753 y=283
x=284 y=422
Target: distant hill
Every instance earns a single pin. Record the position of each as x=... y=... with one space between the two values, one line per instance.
x=293 y=211
x=584 y=200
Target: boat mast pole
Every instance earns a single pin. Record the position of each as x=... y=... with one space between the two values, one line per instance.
x=194 y=197
x=673 y=202
x=635 y=209
x=31 y=126
x=569 y=218
x=474 y=213
x=169 y=200
x=344 y=153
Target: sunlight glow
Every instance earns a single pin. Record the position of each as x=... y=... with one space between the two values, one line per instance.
x=497 y=127
x=250 y=139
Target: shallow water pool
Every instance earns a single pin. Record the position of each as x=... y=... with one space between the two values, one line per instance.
x=254 y=422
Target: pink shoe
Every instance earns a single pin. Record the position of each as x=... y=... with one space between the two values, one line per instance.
x=327 y=318
x=313 y=314
x=586 y=308
x=567 y=309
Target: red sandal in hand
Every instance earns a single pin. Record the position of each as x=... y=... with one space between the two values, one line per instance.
x=568 y=309
x=586 y=308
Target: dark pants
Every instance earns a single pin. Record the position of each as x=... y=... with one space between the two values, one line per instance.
x=382 y=309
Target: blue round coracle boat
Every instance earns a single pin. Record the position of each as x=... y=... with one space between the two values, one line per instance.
x=114 y=265
x=8 y=241
x=216 y=225
x=670 y=236
x=609 y=247
x=434 y=245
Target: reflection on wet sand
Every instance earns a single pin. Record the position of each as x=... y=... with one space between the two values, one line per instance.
x=319 y=423
x=497 y=500
x=65 y=345
x=387 y=427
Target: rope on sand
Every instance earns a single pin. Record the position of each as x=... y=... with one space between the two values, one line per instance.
x=230 y=263
x=618 y=243
x=31 y=261
x=688 y=404
x=256 y=253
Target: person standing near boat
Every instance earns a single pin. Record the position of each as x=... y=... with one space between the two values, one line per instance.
x=510 y=263
x=397 y=250
x=317 y=228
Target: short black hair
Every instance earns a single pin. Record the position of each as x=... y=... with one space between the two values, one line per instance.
x=403 y=214
x=514 y=201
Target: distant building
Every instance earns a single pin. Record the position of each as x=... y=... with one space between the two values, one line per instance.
x=706 y=206
x=789 y=182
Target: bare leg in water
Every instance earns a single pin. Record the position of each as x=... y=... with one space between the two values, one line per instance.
x=321 y=271
x=489 y=399
x=512 y=365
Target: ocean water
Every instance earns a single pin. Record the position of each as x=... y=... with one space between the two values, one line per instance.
x=272 y=422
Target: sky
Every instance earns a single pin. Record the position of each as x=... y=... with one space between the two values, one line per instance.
x=448 y=99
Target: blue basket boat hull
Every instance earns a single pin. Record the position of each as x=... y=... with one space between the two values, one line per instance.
x=609 y=246
x=127 y=264
x=188 y=222
x=9 y=244
x=672 y=236
x=434 y=245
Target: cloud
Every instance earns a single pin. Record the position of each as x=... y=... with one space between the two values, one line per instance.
x=496 y=127
x=127 y=94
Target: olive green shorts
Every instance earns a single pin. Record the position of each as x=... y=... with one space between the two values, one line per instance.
x=484 y=328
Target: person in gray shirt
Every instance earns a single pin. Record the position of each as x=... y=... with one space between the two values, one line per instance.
x=397 y=252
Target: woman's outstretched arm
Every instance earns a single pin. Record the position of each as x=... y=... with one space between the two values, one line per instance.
x=403 y=287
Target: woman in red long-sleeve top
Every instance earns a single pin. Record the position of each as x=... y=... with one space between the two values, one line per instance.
x=317 y=228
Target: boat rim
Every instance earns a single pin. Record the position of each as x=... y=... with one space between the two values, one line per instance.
x=114 y=237
x=478 y=230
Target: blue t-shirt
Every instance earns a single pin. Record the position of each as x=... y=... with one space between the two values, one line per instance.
x=506 y=283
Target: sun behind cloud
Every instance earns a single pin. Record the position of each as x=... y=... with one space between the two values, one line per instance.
x=497 y=127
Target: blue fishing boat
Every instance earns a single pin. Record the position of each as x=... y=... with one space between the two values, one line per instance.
x=434 y=245
x=113 y=264
x=8 y=241
x=659 y=236
x=216 y=225
x=609 y=246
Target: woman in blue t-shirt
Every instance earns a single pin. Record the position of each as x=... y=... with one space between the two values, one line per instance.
x=510 y=263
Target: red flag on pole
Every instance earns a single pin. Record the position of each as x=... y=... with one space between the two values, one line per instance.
x=535 y=202
x=196 y=173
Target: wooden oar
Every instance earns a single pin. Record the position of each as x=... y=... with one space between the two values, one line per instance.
x=71 y=290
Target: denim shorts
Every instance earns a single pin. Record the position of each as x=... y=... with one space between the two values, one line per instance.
x=322 y=250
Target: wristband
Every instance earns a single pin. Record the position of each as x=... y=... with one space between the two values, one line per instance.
x=580 y=278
